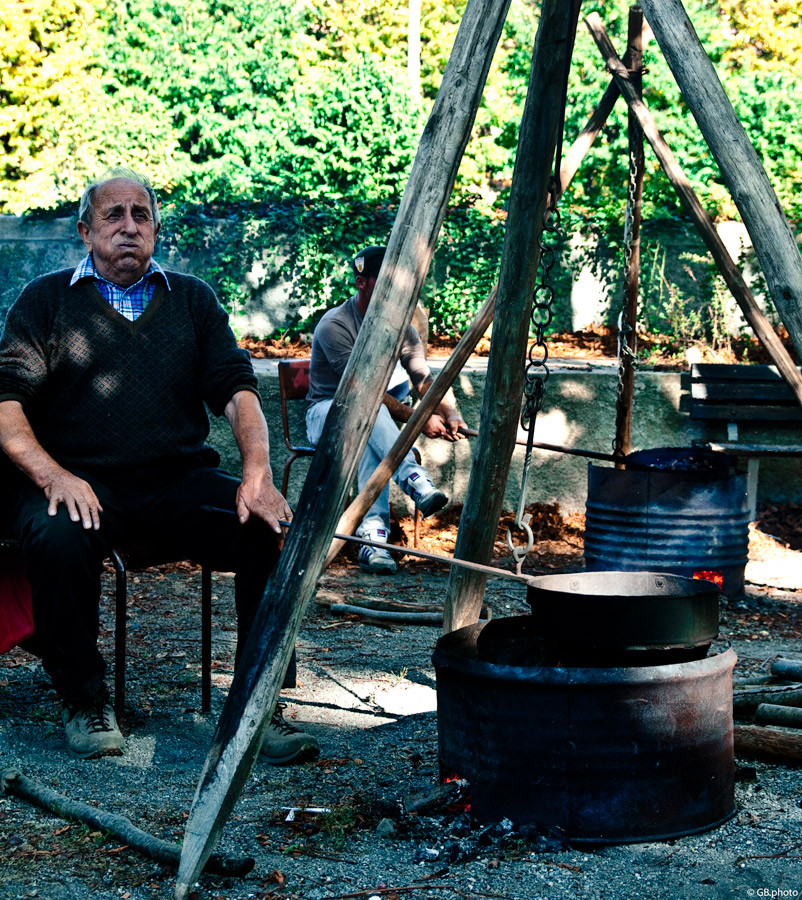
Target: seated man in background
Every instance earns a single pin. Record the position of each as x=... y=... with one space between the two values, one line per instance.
x=332 y=344
x=104 y=373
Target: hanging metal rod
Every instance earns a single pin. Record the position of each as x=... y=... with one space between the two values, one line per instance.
x=556 y=448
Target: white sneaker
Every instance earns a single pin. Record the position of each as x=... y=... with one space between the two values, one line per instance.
x=374 y=559
x=425 y=495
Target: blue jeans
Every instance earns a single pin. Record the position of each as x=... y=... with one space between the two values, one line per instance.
x=382 y=438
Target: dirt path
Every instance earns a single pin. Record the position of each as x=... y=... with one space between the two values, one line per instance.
x=367 y=691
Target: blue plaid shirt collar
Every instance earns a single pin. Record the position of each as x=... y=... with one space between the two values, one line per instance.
x=130 y=302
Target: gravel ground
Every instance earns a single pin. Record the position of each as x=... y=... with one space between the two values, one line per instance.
x=367 y=691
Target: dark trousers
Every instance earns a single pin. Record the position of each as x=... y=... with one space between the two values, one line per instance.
x=180 y=511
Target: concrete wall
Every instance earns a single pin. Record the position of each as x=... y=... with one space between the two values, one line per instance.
x=588 y=288
x=579 y=411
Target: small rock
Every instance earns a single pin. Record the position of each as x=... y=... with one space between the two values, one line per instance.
x=385 y=828
x=426 y=854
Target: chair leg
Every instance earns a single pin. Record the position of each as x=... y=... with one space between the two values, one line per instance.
x=120 y=613
x=206 y=639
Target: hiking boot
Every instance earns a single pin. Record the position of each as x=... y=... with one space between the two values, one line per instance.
x=425 y=495
x=92 y=730
x=284 y=743
x=375 y=559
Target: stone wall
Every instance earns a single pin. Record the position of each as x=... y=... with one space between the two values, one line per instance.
x=579 y=411
x=675 y=275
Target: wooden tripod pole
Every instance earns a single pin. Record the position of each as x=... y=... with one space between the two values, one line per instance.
x=729 y=270
x=519 y=268
x=626 y=387
x=258 y=675
x=772 y=237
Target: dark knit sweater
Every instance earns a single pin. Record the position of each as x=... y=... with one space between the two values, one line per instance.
x=101 y=391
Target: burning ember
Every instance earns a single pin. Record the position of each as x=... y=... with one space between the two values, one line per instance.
x=714 y=575
x=463 y=801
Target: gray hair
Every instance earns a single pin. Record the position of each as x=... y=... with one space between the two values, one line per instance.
x=86 y=209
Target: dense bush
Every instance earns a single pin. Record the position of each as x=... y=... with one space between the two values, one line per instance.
x=297 y=124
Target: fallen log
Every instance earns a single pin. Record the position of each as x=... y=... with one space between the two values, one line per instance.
x=14 y=782
x=774 y=714
x=408 y=617
x=778 y=743
x=789 y=669
x=746 y=702
x=382 y=605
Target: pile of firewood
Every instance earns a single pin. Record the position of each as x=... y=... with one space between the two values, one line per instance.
x=768 y=712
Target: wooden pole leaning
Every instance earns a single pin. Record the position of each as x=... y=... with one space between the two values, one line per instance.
x=257 y=679
x=726 y=265
x=518 y=275
x=412 y=428
x=749 y=186
x=584 y=140
x=623 y=420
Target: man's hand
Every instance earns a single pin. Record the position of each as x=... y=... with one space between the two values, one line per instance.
x=444 y=427
x=258 y=496
x=19 y=443
x=76 y=495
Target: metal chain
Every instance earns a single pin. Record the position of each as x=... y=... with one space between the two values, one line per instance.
x=537 y=371
x=626 y=355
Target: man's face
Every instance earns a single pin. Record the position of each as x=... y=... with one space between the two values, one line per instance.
x=122 y=235
x=365 y=288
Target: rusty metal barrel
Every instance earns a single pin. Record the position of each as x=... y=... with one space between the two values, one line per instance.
x=682 y=521
x=608 y=755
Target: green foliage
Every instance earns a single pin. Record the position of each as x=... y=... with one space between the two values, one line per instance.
x=295 y=125
x=465 y=268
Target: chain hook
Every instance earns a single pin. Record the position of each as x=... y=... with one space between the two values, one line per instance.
x=519 y=553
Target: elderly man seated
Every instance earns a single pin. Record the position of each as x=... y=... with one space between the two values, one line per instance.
x=105 y=371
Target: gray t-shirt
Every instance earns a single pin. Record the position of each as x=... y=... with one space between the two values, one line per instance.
x=333 y=342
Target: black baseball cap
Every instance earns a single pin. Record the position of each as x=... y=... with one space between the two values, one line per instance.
x=368 y=261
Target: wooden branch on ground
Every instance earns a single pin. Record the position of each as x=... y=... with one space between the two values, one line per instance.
x=384 y=615
x=693 y=206
x=382 y=605
x=778 y=743
x=14 y=782
x=407 y=617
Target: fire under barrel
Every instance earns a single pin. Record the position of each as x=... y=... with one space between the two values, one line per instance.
x=682 y=511
x=609 y=755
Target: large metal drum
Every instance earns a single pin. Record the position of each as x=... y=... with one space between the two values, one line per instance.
x=689 y=518
x=608 y=755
